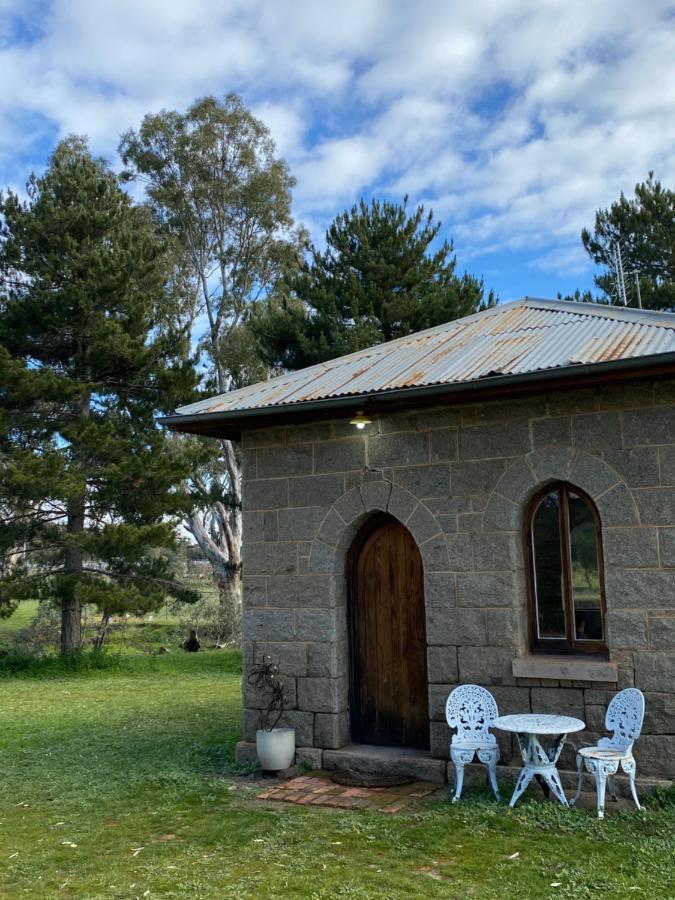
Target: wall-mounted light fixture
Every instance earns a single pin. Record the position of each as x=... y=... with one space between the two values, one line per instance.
x=360 y=420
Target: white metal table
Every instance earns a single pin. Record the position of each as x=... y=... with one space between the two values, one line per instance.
x=538 y=761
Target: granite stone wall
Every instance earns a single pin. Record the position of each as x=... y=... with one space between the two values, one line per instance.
x=460 y=478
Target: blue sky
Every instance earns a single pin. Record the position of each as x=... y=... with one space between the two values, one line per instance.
x=513 y=119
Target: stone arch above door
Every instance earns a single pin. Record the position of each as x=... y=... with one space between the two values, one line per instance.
x=343 y=520
x=602 y=482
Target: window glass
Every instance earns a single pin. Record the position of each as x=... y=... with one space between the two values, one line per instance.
x=548 y=583
x=585 y=574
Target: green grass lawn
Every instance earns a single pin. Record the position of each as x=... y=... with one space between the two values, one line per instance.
x=22 y=616
x=120 y=784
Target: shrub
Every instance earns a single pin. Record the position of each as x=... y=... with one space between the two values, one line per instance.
x=18 y=662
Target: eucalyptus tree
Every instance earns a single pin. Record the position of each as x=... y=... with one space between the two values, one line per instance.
x=214 y=181
x=89 y=485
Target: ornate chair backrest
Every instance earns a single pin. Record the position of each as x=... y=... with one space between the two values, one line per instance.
x=624 y=718
x=471 y=710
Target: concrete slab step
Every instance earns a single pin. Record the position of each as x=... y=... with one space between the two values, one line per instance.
x=386 y=761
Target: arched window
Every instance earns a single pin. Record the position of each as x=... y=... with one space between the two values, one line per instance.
x=566 y=589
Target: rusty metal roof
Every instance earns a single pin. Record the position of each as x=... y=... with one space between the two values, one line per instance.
x=523 y=337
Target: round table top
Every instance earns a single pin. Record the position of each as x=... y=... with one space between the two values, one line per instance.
x=539 y=723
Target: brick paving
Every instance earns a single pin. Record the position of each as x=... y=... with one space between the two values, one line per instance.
x=318 y=790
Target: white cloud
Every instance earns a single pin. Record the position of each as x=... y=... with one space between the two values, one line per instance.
x=563 y=261
x=514 y=119
x=339 y=168
x=286 y=124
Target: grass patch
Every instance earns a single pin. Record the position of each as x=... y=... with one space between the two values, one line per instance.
x=14 y=663
x=128 y=635
x=119 y=782
x=21 y=618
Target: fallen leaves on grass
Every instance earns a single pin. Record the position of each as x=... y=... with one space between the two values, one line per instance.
x=431 y=872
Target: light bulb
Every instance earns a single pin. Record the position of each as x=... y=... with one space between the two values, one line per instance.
x=360 y=420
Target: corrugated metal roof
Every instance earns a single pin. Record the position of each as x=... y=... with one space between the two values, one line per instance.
x=526 y=336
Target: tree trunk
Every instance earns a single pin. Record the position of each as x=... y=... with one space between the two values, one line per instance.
x=71 y=625
x=99 y=640
x=228 y=583
x=218 y=532
x=71 y=612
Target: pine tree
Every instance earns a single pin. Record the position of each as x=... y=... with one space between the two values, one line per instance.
x=88 y=483
x=378 y=278
x=644 y=227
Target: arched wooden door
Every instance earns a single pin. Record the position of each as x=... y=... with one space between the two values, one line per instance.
x=389 y=702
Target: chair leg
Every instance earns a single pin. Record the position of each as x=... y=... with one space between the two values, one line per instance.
x=459 y=781
x=580 y=770
x=459 y=759
x=490 y=758
x=629 y=767
x=600 y=781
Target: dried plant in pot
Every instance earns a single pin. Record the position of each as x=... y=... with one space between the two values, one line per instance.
x=275 y=746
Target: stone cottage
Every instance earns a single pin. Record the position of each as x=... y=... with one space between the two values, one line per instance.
x=489 y=501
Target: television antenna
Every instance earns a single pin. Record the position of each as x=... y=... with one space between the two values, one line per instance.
x=618 y=264
x=637 y=287
x=617 y=260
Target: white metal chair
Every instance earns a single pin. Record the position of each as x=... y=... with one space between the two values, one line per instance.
x=472 y=710
x=624 y=718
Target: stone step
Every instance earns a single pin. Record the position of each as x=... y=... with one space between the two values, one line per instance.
x=386 y=761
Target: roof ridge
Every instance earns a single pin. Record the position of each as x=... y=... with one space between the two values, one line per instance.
x=655 y=317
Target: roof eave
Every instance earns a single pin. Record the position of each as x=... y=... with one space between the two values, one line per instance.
x=231 y=423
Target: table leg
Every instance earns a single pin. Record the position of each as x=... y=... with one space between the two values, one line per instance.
x=552 y=778
x=539 y=763
x=541 y=781
x=524 y=779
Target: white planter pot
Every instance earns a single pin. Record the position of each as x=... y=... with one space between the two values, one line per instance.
x=276 y=748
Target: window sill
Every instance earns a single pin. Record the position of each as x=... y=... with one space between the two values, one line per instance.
x=565 y=668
